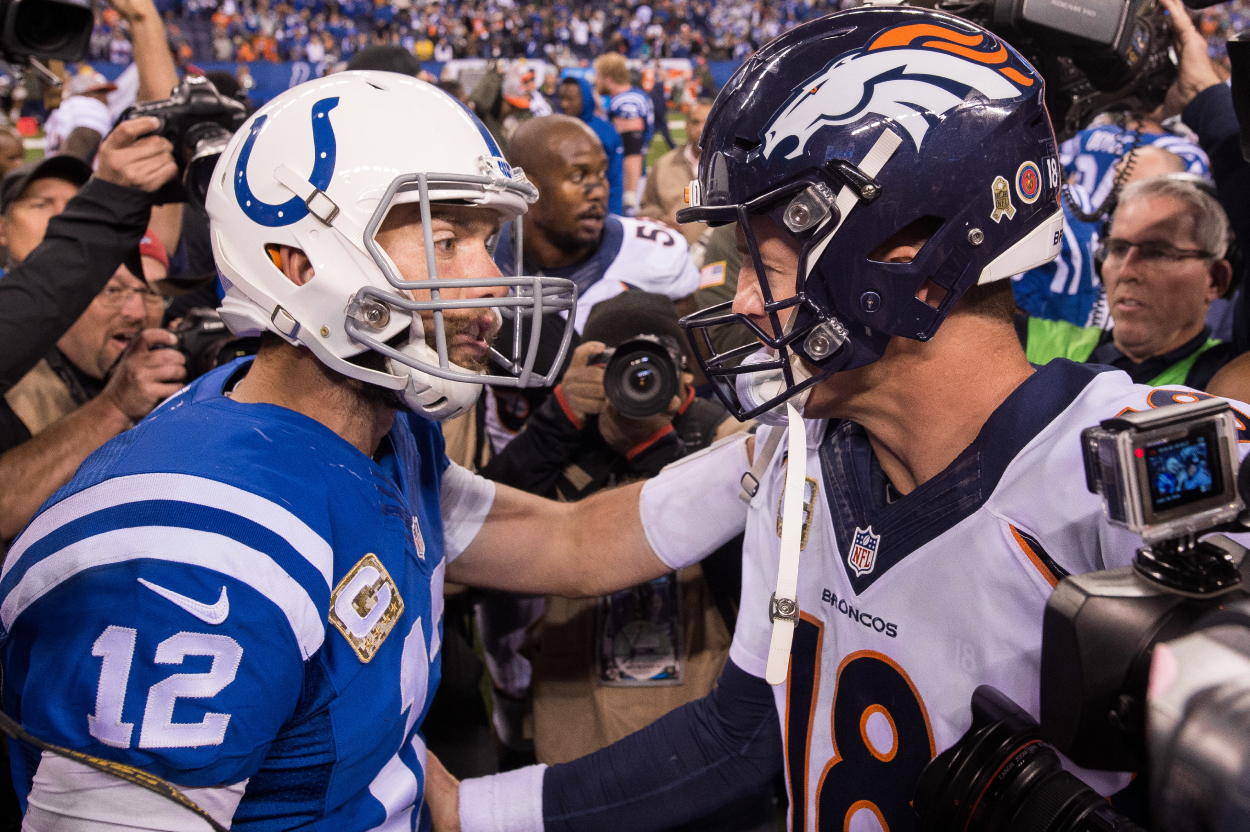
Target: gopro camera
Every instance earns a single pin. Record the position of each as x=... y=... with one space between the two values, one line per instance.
x=1167 y=472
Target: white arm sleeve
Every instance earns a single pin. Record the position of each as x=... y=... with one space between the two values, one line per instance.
x=508 y=802
x=691 y=508
x=67 y=796
x=466 y=499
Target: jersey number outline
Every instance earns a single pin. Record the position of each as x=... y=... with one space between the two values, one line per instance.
x=861 y=774
x=652 y=232
x=116 y=645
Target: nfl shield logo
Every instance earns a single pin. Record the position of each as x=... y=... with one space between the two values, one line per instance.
x=863 y=555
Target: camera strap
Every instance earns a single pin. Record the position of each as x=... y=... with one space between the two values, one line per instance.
x=130 y=774
x=783 y=607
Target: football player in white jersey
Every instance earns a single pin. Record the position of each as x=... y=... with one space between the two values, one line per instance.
x=890 y=169
x=569 y=232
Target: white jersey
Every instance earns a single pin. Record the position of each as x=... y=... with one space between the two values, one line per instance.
x=650 y=256
x=633 y=253
x=75 y=111
x=907 y=606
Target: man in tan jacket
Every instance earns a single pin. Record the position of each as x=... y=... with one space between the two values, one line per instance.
x=104 y=374
x=665 y=192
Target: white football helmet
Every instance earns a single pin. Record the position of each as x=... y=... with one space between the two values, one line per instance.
x=318 y=168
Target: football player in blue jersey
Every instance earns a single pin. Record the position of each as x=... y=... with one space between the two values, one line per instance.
x=243 y=594
x=918 y=489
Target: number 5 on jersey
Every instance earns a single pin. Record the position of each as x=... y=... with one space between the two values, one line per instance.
x=116 y=646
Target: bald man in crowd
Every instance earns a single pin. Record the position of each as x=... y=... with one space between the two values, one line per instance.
x=568 y=233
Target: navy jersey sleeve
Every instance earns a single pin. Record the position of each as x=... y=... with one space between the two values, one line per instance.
x=681 y=767
x=163 y=620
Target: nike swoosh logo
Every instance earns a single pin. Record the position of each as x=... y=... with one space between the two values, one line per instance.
x=210 y=614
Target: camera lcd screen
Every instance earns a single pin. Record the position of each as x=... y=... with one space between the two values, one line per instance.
x=1183 y=471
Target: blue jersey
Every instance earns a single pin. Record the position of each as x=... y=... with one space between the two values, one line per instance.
x=1067 y=288
x=232 y=592
x=1089 y=157
x=634 y=103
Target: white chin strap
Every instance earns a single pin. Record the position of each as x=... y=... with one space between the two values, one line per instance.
x=430 y=396
x=783 y=608
x=756 y=388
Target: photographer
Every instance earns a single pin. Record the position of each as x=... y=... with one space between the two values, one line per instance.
x=588 y=690
x=102 y=376
x=577 y=442
x=99 y=229
x=1163 y=264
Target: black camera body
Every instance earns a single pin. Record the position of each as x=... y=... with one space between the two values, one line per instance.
x=198 y=121
x=643 y=374
x=45 y=29
x=1145 y=668
x=207 y=343
x=1098 y=636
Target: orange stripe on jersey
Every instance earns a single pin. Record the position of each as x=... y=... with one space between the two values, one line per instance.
x=1034 y=557
x=868 y=743
x=873 y=654
x=904 y=35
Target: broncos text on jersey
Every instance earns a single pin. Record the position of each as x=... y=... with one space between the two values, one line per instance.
x=908 y=604
x=233 y=594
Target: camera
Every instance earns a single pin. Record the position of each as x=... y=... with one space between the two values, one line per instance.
x=643 y=374
x=1002 y=776
x=1095 y=55
x=45 y=29
x=1145 y=668
x=1166 y=473
x=198 y=121
x=207 y=343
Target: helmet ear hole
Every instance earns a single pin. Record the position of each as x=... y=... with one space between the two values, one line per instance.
x=914 y=235
x=275 y=255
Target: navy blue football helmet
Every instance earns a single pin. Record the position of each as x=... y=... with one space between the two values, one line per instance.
x=845 y=131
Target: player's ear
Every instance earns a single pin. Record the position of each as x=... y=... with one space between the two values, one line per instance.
x=1221 y=277
x=295 y=265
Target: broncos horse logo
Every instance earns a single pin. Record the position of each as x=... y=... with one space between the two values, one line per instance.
x=910 y=74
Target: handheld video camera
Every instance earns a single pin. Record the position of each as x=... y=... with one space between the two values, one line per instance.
x=1095 y=55
x=1145 y=668
x=45 y=29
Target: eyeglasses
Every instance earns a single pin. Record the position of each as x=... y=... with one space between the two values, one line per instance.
x=1149 y=252
x=114 y=296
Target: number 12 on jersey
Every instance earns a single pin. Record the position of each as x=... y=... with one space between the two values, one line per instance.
x=879 y=731
x=116 y=645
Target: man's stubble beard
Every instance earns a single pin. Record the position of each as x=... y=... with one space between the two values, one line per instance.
x=454 y=325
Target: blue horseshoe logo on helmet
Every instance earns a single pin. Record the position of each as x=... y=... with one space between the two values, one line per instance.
x=294 y=209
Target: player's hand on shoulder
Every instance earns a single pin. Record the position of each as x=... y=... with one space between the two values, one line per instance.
x=146 y=374
x=582 y=384
x=442 y=795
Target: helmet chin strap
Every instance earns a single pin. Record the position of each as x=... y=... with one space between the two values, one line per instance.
x=428 y=395
x=783 y=607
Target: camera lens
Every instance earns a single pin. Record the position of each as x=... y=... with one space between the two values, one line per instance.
x=640 y=382
x=1001 y=777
